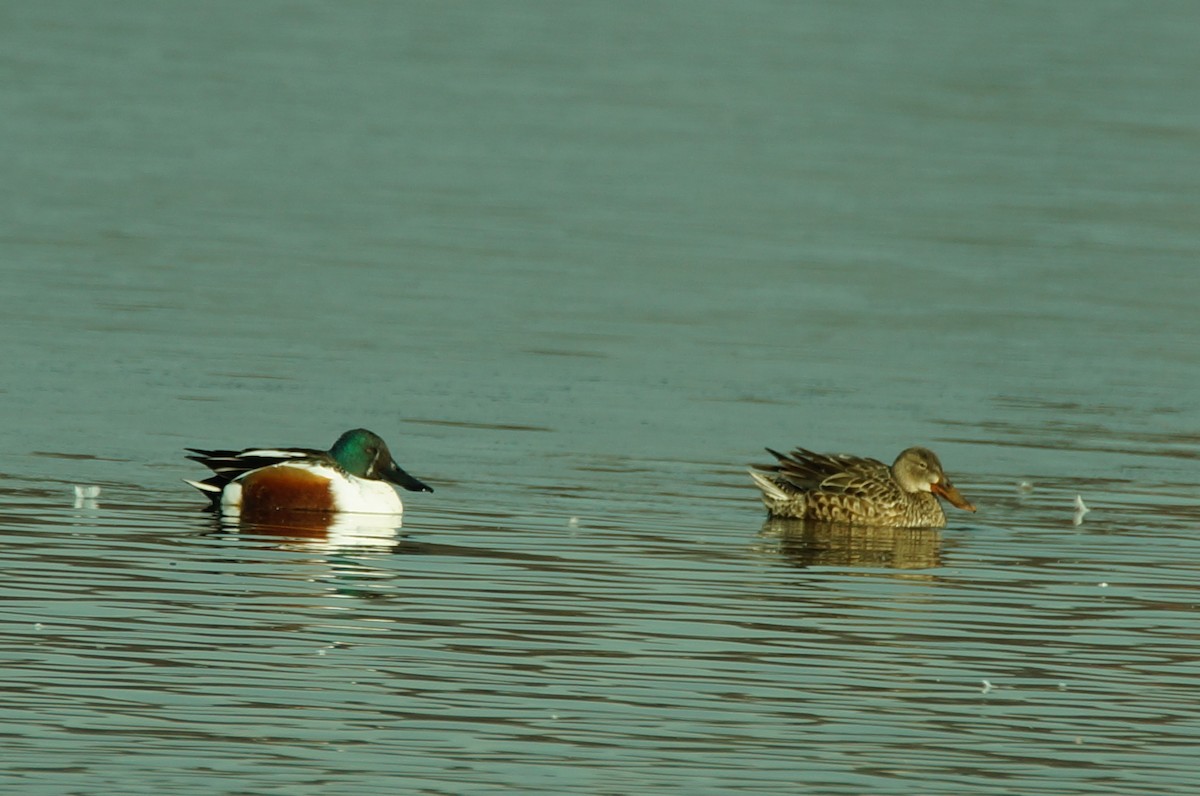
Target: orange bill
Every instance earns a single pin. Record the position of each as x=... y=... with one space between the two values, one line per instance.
x=951 y=493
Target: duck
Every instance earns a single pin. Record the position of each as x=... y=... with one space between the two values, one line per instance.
x=357 y=474
x=843 y=488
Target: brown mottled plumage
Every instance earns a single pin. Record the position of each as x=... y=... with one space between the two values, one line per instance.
x=839 y=487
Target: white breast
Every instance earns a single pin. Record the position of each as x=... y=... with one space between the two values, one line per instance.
x=365 y=496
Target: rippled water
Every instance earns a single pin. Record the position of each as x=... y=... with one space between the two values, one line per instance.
x=578 y=265
x=150 y=649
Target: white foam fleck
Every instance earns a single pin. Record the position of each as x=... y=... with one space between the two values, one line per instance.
x=1080 y=511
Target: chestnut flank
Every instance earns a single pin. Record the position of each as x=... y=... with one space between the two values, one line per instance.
x=282 y=487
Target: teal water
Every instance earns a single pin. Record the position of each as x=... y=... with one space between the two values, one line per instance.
x=578 y=264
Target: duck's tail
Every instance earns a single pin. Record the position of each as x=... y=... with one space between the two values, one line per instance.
x=211 y=491
x=771 y=491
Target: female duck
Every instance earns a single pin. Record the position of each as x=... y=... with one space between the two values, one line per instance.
x=839 y=487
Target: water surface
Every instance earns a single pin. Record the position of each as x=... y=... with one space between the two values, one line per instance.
x=579 y=265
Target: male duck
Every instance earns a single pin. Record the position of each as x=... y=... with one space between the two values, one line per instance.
x=355 y=475
x=839 y=487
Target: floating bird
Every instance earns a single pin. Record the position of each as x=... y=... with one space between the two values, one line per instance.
x=838 y=487
x=355 y=475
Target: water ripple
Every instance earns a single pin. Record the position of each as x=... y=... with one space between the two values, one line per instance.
x=527 y=646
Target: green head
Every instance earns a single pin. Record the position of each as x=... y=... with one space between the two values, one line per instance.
x=362 y=453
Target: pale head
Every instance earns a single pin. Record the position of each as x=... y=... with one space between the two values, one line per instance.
x=919 y=470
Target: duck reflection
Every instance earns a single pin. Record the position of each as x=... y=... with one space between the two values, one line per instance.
x=806 y=543
x=319 y=530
